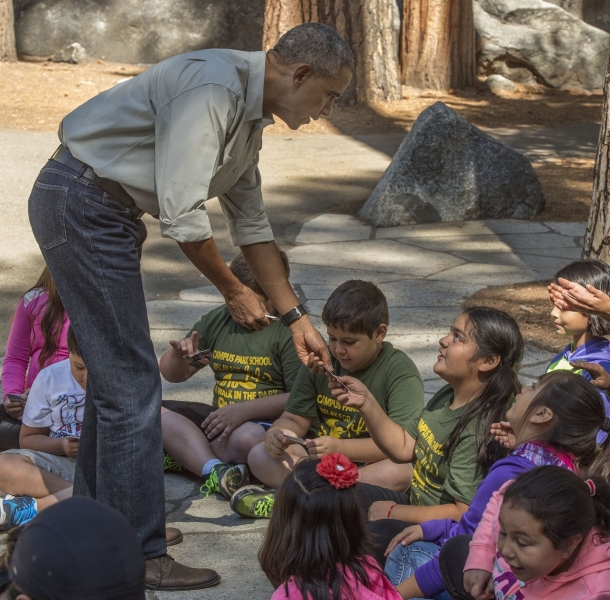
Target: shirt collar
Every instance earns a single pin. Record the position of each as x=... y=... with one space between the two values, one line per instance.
x=254 y=92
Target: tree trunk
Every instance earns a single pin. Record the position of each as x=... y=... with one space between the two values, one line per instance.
x=597 y=238
x=438 y=46
x=370 y=27
x=8 y=52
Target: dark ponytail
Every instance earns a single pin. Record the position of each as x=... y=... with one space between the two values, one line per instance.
x=578 y=415
x=563 y=503
x=53 y=319
x=496 y=334
x=13 y=591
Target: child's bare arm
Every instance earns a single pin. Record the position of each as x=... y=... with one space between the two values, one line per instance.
x=37 y=438
x=357 y=450
x=417 y=514
x=393 y=441
x=174 y=368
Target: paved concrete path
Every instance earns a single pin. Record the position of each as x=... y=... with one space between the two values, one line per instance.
x=425 y=271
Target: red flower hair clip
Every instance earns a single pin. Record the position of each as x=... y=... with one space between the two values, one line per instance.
x=338 y=470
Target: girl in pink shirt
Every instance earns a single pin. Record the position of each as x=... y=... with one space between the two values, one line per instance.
x=544 y=535
x=317 y=546
x=37 y=339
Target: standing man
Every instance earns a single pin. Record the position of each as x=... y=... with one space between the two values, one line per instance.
x=184 y=131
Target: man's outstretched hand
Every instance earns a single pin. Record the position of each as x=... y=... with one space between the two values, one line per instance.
x=311 y=348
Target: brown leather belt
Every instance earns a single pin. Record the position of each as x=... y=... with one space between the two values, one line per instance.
x=114 y=188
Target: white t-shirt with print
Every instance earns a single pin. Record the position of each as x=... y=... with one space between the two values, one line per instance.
x=56 y=401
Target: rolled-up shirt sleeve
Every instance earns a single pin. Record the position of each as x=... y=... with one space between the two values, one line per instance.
x=244 y=210
x=190 y=132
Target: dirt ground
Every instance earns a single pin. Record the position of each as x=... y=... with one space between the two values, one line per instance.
x=529 y=305
x=36 y=94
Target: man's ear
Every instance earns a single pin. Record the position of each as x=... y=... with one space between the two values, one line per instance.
x=23 y=597
x=541 y=415
x=488 y=364
x=381 y=332
x=301 y=74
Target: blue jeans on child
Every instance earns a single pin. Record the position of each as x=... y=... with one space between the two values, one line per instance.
x=403 y=560
x=91 y=244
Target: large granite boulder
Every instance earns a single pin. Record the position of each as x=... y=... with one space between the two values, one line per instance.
x=536 y=41
x=133 y=31
x=449 y=170
x=594 y=12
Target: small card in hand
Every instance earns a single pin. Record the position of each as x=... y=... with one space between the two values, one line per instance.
x=197 y=356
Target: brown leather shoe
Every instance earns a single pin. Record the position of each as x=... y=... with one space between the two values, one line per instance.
x=173 y=536
x=165 y=574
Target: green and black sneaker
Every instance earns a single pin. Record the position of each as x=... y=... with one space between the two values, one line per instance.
x=226 y=479
x=252 y=501
x=169 y=464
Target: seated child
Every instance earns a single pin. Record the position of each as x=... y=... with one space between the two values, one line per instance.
x=356 y=317
x=254 y=371
x=317 y=505
x=450 y=442
x=587 y=344
x=545 y=535
x=41 y=472
x=79 y=548
x=554 y=422
x=37 y=339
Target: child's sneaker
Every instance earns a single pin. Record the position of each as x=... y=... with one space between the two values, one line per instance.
x=16 y=511
x=226 y=479
x=253 y=501
x=169 y=464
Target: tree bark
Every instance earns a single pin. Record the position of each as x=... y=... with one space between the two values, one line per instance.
x=597 y=238
x=438 y=44
x=370 y=27
x=8 y=52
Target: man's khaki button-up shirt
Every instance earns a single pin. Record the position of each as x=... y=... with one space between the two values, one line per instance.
x=186 y=130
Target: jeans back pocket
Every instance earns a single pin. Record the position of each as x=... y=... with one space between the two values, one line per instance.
x=47 y=209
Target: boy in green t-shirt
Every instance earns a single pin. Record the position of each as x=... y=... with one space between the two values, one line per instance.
x=356 y=317
x=254 y=371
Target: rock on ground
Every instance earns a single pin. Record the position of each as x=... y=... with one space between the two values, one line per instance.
x=74 y=53
x=534 y=41
x=446 y=169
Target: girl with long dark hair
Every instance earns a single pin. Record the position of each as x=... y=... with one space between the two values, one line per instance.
x=450 y=443
x=317 y=545
x=37 y=339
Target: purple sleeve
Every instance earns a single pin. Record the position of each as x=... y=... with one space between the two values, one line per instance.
x=17 y=359
x=428 y=575
x=438 y=530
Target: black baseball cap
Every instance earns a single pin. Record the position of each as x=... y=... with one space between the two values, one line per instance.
x=76 y=549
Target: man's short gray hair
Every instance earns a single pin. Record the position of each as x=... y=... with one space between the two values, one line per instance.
x=317 y=45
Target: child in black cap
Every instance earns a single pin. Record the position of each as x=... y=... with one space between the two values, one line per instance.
x=76 y=549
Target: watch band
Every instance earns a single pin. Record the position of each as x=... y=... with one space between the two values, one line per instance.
x=294 y=314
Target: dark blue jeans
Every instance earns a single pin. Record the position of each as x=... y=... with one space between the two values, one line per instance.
x=91 y=244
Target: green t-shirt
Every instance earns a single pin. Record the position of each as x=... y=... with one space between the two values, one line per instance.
x=247 y=364
x=393 y=379
x=440 y=479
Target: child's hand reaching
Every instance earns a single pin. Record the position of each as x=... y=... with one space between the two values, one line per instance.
x=320 y=446
x=187 y=347
x=600 y=378
x=479 y=584
x=504 y=434
x=413 y=533
x=357 y=395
